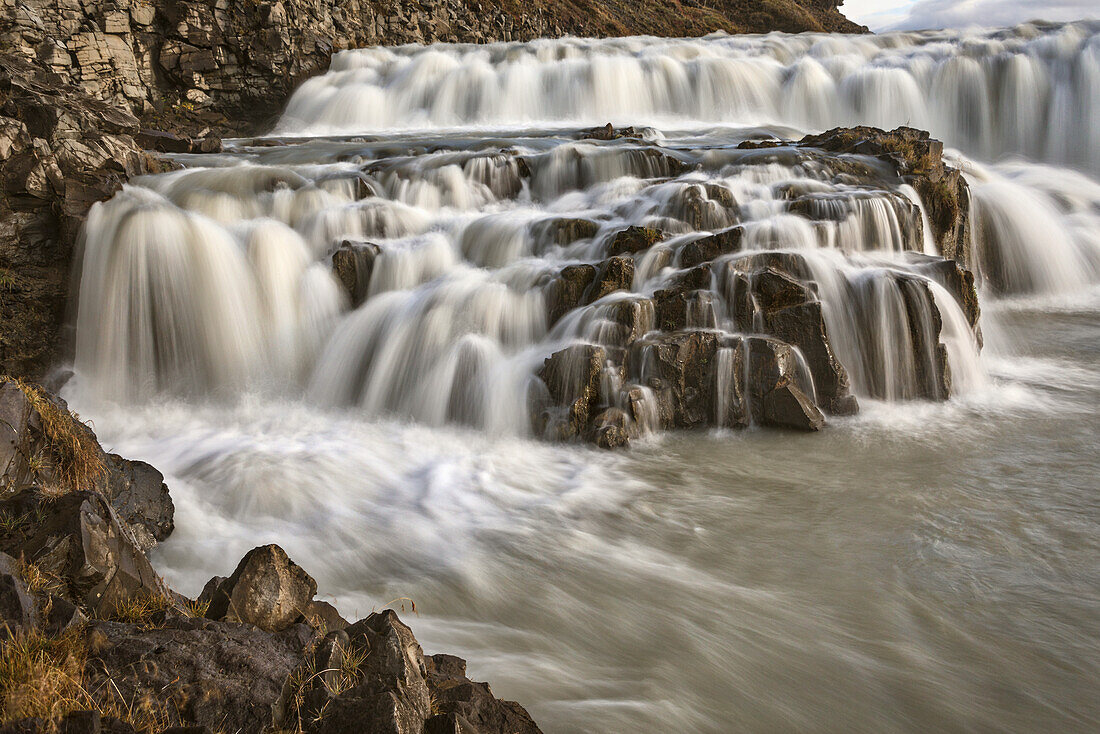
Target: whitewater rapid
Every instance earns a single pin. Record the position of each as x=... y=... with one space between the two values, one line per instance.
x=923 y=565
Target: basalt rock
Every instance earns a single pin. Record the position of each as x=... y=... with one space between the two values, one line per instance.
x=573 y=378
x=353 y=264
x=917 y=159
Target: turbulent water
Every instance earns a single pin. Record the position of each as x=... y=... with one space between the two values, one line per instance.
x=923 y=565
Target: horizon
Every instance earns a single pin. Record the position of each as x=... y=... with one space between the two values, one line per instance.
x=897 y=15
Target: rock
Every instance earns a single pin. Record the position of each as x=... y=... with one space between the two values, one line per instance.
x=78 y=540
x=267 y=590
x=163 y=142
x=566 y=231
x=683 y=362
x=613 y=274
x=917 y=159
x=711 y=246
x=221 y=675
x=787 y=406
x=573 y=378
x=138 y=493
x=633 y=240
x=17 y=608
x=803 y=325
x=611 y=429
x=43 y=443
x=609 y=132
x=460 y=705
x=567 y=291
x=353 y=264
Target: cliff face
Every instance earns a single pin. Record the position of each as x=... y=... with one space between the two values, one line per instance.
x=240 y=58
x=79 y=79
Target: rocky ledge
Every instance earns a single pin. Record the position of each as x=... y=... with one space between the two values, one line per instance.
x=660 y=362
x=93 y=640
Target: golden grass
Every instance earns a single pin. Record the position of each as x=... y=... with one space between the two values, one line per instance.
x=141 y=610
x=78 y=460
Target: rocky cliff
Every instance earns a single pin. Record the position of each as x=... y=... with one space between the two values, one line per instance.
x=80 y=80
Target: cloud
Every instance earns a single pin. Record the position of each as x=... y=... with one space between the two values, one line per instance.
x=876 y=14
x=964 y=13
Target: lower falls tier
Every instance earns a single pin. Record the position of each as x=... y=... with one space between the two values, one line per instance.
x=599 y=284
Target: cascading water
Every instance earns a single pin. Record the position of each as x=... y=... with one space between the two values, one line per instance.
x=341 y=345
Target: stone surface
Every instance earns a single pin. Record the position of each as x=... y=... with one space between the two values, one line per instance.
x=267 y=589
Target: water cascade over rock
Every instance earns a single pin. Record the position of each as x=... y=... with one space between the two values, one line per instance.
x=603 y=283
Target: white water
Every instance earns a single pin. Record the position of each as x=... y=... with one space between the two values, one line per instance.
x=922 y=566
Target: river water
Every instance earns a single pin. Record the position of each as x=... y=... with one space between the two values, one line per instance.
x=919 y=566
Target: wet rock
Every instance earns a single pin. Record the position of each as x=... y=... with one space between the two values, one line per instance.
x=267 y=590
x=567 y=291
x=613 y=274
x=353 y=265
x=786 y=406
x=917 y=159
x=933 y=377
x=573 y=378
x=683 y=364
x=803 y=325
x=711 y=246
x=958 y=281
x=609 y=132
x=611 y=429
x=633 y=240
x=565 y=231
x=78 y=540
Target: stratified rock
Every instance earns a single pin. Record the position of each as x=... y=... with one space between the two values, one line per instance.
x=267 y=589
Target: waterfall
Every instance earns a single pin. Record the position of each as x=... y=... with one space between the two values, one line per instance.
x=1027 y=90
x=430 y=275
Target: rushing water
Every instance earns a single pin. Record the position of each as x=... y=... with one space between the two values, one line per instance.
x=921 y=566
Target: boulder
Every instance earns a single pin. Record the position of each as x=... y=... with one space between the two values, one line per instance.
x=267 y=590
x=614 y=274
x=567 y=291
x=461 y=705
x=78 y=539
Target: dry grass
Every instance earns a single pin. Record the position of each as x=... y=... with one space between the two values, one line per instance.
x=37 y=580
x=141 y=610
x=43 y=676
x=77 y=459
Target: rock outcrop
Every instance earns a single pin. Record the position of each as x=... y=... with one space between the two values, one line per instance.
x=94 y=640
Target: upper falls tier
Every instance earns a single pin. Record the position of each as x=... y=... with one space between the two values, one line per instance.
x=1030 y=90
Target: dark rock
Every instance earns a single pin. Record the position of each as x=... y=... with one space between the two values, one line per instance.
x=633 y=240
x=711 y=246
x=565 y=231
x=43 y=443
x=78 y=539
x=465 y=706
x=353 y=264
x=573 y=378
x=17 y=608
x=684 y=363
x=609 y=132
x=787 y=406
x=567 y=291
x=267 y=590
x=163 y=142
x=613 y=274
x=138 y=493
x=62 y=615
x=203 y=673
x=611 y=429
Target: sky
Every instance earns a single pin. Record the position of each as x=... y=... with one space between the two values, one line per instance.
x=882 y=15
